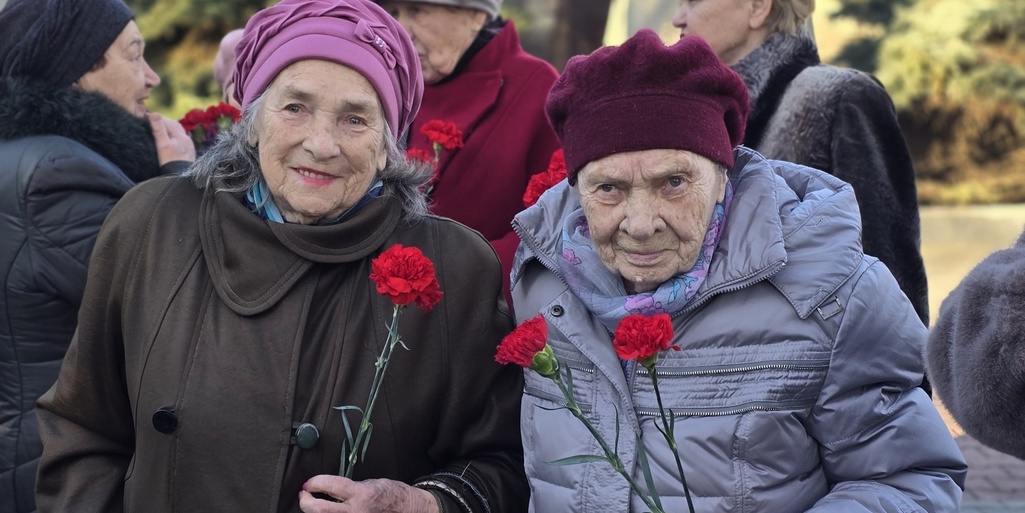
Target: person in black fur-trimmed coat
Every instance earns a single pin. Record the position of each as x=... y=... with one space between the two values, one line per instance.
x=976 y=351
x=838 y=120
x=74 y=137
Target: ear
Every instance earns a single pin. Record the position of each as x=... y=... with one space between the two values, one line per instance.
x=382 y=157
x=760 y=10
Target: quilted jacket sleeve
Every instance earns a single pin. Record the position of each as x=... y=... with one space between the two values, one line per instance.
x=883 y=445
x=68 y=196
x=976 y=351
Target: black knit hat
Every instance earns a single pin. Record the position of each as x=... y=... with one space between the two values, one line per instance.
x=58 y=41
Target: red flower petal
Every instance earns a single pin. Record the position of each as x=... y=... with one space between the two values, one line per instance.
x=639 y=337
x=405 y=275
x=523 y=343
x=445 y=133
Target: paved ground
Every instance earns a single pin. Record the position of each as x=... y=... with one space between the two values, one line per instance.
x=954 y=239
x=996 y=482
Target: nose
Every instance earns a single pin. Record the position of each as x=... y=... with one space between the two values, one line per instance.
x=152 y=79
x=680 y=18
x=320 y=141
x=642 y=219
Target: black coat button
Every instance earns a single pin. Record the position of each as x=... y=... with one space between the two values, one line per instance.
x=165 y=421
x=306 y=436
x=557 y=311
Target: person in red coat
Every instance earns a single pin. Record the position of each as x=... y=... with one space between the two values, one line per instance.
x=478 y=77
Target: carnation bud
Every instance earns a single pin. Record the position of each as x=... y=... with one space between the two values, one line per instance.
x=544 y=363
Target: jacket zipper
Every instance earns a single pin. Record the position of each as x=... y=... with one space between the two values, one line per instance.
x=728 y=411
x=733 y=369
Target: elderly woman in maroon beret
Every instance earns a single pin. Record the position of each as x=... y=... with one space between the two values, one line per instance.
x=229 y=311
x=795 y=387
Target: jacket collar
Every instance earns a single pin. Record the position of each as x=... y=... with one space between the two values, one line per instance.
x=796 y=227
x=768 y=71
x=468 y=97
x=254 y=263
x=29 y=108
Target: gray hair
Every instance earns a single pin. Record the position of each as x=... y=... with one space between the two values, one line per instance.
x=232 y=165
x=788 y=16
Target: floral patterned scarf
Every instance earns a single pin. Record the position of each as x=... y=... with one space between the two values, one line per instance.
x=603 y=292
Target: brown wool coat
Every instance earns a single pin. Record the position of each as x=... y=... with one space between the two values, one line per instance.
x=246 y=329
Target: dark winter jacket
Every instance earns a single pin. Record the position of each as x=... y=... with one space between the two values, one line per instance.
x=65 y=158
x=976 y=351
x=843 y=122
x=208 y=336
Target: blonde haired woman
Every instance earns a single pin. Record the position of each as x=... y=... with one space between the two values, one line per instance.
x=835 y=119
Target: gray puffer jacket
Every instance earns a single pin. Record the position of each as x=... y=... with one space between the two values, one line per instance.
x=797 y=383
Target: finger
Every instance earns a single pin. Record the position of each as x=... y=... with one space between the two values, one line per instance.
x=340 y=488
x=156 y=123
x=173 y=127
x=310 y=504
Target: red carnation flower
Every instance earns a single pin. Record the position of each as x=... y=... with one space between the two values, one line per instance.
x=420 y=155
x=405 y=275
x=541 y=182
x=443 y=134
x=194 y=118
x=203 y=125
x=527 y=346
x=640 y=338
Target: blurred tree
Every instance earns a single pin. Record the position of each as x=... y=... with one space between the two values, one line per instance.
x=182 y=39
x=556 y=31
x=956 y=72
x=862 y=53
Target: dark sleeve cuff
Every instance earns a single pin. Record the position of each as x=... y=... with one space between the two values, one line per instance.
x=452 y=500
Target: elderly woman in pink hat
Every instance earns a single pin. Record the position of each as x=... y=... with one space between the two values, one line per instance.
x=795 y=386
x=230 y=311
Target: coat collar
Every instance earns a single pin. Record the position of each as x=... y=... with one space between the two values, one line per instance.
x=768 y=71
x=29 y=108
x=254 y=263
x=468 y=97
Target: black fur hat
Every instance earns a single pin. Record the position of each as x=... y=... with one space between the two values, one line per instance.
x=58 y=41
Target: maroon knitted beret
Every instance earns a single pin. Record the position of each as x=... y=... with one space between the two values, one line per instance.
x=645 y=95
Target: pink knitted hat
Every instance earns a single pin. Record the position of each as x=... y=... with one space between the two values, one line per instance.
x=354 y=33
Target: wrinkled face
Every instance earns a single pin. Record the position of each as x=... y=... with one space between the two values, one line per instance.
x=733 y=28
x=440 y=33
x=320 y=137
x=648 y=212
x=125 y=78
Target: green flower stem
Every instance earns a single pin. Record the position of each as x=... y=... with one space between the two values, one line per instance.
x=362 y=436
x=610 y=455
x=667 y=432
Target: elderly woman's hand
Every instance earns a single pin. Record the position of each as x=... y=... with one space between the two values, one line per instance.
x=172 y=142
x=370 y=496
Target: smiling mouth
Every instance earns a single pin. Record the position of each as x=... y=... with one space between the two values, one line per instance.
x=311 y=175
